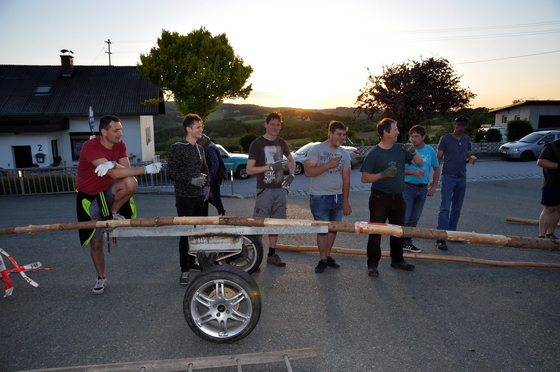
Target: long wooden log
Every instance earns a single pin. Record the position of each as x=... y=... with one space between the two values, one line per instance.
x=310 y=248
x=358 y=227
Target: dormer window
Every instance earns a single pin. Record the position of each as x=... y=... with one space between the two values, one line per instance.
x=42 y=90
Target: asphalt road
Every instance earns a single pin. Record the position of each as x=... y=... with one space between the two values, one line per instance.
x=444 y=316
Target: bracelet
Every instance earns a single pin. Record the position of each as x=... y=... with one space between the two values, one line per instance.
x=145 y=170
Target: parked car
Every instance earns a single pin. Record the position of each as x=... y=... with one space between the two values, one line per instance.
x=528 y=147
x=235 y=162
x=301 y=154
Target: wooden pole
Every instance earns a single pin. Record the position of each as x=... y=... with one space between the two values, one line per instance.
x=308 y=248
x=358 y=227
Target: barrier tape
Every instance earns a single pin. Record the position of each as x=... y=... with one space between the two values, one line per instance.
x=8 y=285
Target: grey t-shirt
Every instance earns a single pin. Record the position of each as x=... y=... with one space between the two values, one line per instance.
x=330 y=181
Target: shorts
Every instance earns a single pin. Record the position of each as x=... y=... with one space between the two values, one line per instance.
x=96 y=207
x=550 y=197
x=271 y=203
x=326 y=207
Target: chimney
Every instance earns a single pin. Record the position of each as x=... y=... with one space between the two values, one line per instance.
x=67 y=64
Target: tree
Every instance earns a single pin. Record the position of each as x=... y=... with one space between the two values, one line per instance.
x=414 y=92
x=198 y=70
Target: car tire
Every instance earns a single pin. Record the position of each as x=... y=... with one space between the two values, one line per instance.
x=526 y=155
x=299 y=168
x=241 y=172
x=222 y=304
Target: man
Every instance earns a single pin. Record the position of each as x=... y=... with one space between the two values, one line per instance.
x=105 y=187
x=329 y=167
x=186 y=166
x=549 y=160
x=384 y=168
x=418 y=184
x=218 y=172
x=454 y=150
x=266 y=161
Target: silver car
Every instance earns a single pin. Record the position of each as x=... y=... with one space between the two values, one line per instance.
x=528 y=147
x=300 y=156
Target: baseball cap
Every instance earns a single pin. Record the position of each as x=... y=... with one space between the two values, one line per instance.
x=462 y=119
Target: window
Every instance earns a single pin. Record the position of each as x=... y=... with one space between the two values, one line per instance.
x=42 y=90
x=516 y=117
x=77 y=141
x=504 y=119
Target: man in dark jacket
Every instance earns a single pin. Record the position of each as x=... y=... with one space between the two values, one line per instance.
x=217 y=170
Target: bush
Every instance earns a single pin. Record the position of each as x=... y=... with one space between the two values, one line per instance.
x=493 y=135
x=245 y=141
x=37 y=184
x=517 y=129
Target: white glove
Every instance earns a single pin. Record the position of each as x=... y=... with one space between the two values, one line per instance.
x=103 y=168
x=277 y=165
x=206 y=192
x=152 y=168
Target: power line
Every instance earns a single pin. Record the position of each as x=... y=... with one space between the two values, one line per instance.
x=499 y=59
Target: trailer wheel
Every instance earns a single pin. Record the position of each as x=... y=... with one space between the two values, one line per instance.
x=222 y=304
x=251 y=254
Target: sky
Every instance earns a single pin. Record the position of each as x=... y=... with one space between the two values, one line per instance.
x=309 y=53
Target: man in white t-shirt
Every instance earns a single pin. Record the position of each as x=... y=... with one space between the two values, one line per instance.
x=329 y=167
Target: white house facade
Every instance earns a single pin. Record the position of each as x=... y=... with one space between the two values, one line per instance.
x=541 y=114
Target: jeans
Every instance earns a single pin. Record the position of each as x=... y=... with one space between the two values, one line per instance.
x=187 y=207
x=452 y=195
x=382 y=208
x=326 y=207
x=415 y=198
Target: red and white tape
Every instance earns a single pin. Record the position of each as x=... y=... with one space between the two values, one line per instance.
x=8 y=285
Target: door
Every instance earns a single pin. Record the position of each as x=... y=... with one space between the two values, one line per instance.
x=23 y=157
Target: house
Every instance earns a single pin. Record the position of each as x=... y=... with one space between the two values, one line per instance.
x=541 y=114
x=44 y=111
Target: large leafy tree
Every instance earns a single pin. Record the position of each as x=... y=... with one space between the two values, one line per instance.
x=198 y=70
x=414 y=92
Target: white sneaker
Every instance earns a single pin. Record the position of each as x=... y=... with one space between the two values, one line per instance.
x=99 y=287
x=117 y=216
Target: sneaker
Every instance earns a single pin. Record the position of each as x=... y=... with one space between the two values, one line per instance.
x=372 y=271
x=332 y=263
x=321 y=266
x=411 y=248
x=551 y=236
x=440 y=244
x=184 y=279
x=99 y=287
x=403 y=266
x=117 y=216
x=275 y=260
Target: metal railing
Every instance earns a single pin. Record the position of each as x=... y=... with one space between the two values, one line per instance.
x=56 y=180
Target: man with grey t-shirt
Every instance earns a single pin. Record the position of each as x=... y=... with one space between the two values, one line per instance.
x=329 y=167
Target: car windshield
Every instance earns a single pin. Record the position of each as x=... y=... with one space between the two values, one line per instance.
x=305 y=149
x=531 y=138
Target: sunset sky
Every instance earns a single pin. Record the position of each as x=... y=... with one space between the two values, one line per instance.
x=309 y=54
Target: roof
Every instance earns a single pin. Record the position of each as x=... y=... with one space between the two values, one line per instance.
x=529 y=103
x=116 y=90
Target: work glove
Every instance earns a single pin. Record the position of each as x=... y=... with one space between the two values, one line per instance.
x=409 y=147
x=288 y=181
x=200 y=182
x=152 y=168
x=103 y=168
x=206 y=192
x=389 y=172
x=277 y=165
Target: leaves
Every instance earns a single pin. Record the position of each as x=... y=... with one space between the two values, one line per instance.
x=198 y=70
x=414 y=92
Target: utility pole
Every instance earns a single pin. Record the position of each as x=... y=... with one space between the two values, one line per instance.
x=109 y=52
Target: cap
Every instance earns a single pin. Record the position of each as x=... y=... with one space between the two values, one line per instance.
x=462 y=119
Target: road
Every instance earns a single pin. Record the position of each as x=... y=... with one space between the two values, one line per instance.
x=486 y=169
x=444 y=316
